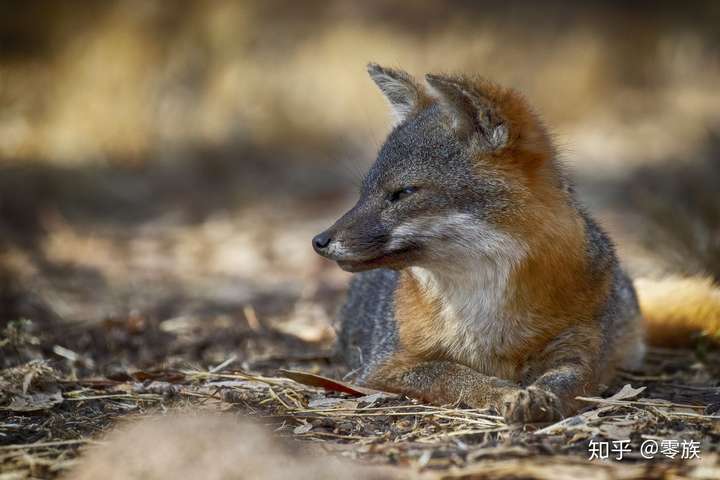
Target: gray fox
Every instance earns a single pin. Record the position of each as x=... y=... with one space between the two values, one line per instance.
x=483 y=280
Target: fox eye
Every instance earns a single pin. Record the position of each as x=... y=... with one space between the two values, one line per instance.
x=398 y=195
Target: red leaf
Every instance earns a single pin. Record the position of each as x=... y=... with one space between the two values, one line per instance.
x=327 y=383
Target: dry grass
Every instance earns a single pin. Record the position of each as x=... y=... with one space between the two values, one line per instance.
x=384 y=429
x=163 y=170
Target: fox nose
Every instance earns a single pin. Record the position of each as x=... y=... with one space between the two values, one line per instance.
x=321 y=241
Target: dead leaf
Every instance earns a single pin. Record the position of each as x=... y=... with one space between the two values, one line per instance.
x=333 y=402
x=580 y=421
x=32 y=402
x=371 y=399
x=327 y=383
x=156 y=387
x=626 y=392
x=615 y=431
x=304 y=428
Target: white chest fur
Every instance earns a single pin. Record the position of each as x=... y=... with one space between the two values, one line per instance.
x=473 y=295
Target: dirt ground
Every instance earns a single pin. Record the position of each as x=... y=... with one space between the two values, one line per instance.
x=123 y=316
x=163 y=169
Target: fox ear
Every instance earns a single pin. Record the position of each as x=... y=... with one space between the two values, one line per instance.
x=405 y=95
x=472 y=112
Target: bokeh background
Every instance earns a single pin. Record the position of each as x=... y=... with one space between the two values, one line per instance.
x=163 y=165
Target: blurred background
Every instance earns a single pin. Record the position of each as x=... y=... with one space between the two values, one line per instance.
x=163 y=165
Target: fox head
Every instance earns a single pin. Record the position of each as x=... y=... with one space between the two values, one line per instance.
x=462 y=167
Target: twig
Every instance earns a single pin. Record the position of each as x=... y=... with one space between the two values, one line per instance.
x=224 y=364
x=638 y=402
x=251 y=318
x=56 y=443
x=128 y=396
x=236 y=376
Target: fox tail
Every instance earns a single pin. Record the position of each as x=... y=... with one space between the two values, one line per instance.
x=676 y=309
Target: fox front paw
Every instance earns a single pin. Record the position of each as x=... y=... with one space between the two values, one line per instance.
x=530 y=405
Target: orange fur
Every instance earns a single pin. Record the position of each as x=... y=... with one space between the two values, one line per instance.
x=528 y=145
x=675 y=309
x=513 y=321
x=544 y=326
x=417 y=319
x=552 y=229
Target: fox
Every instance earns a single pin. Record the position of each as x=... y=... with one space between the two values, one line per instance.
x=480 y=278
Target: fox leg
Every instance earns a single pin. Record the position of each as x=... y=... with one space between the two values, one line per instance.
x=551 y=397
x=441 y=382
x=444 y=382
x=564 y=371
